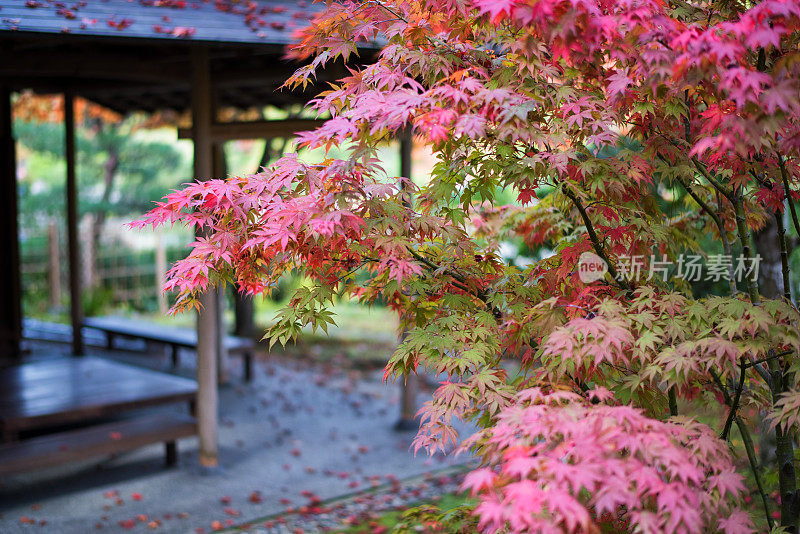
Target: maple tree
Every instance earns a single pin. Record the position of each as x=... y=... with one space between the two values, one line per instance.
x=557 y=451
x=598 y=114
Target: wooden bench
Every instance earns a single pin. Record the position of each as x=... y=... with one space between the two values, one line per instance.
x=66 y=391
x=176 y=338
x=41 y=396
x=98 y=440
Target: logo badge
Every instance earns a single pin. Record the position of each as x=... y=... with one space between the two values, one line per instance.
x=591 y=267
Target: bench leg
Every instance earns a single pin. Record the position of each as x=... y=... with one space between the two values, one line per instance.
x=109 y=340
x=175 y=350
x=9 y=435
x=171 y=453
x=248 y=366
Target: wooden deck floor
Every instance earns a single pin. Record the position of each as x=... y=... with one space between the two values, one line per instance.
x=71 y=390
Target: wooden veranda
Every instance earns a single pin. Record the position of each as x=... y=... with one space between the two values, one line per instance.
x=123 y=55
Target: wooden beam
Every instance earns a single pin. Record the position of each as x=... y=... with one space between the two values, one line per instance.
x=208 y=341
x=110 y=90
x=11 y=288
x=89 y=63
x=410 y=386
x=268 y=129
x=73 y=240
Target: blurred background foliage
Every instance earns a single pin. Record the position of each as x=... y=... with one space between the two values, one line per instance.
x=126 y=163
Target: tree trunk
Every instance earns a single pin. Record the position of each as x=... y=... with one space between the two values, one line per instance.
x=770 y=278
x=771 y=284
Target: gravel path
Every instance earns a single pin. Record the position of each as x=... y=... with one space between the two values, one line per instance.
x=317 y=516
x=299 y=429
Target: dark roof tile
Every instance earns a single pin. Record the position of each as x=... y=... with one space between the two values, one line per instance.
x=249 y=21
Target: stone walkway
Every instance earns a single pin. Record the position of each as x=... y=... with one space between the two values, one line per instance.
x=297 y=430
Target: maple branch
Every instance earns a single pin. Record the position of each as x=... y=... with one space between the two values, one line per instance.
x=735 y=404
x=747 y=439
x=673 y=402
x=701 y=168
x=687 y=120
x=762 y=372
x=726 y=245
x=764 y=183
x=726 y=396
x=598 y=248
x=433 y=267
x=744 y=240
x=779 y=383
x=784 y=451
x=459 y=281
x=787 y=192
x=578 y=382
x=787 y=288
x=345 y=275
x=713 y=181
x=768 y=358
x=396 y=15
x=748 y=447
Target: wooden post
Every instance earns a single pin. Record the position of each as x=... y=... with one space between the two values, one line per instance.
x=243 y=305
x=408 y=404
x=409 y=387
x=73 y=247
x=220 y=171
x=222 y=350
x=244 y=325
x=89 y=252
x=54 y=263
x=11 y=287
x=161 y=274
x=406 y=145
x=207 y=318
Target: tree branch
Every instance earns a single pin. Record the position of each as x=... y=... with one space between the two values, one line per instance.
x=787 y=192
x=726 y=245
x=459 y=281
x=713 y=181
x=744 y=240
x=598 y=248
x=787 y=288
x=735 y=404
x=748 y=446
x=768 y=358
x=673 y=402
x=753 y=461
